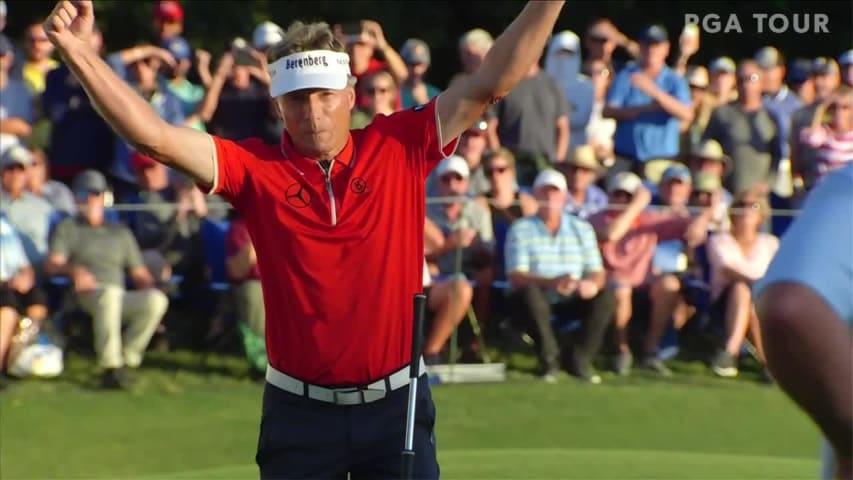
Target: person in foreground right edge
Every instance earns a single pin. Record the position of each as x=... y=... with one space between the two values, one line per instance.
x=805 y=307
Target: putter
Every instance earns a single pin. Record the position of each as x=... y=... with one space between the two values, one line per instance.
x=417 y=337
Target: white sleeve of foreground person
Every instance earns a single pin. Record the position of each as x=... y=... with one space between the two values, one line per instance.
x=805 y=305
x=69 y=27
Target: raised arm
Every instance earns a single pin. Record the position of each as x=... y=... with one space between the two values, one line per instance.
x=69 y=27
x=514 y=51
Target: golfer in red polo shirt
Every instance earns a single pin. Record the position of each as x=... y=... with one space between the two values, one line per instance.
x=337 y=218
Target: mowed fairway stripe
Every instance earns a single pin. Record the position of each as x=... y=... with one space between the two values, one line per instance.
x=536 y=463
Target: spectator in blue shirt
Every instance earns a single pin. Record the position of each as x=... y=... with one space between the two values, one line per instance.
x=778 y=98
x=79 y=137
x=16 y=111
x=582 y=170
x=649 y=101
x=555 y=268
x=140 y=71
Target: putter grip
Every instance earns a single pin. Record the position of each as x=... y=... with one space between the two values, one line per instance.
x=408 y=466
x=417 y=334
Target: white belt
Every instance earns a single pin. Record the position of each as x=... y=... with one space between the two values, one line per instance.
x=343 y=396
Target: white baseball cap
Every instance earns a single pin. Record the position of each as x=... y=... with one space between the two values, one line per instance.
x=325 y=69
x=550 y=178
x=566 y=40
x=453 y=164
x=267 y=34
x=624 y=181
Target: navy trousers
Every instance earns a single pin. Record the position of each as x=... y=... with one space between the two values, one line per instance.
x=305 y=438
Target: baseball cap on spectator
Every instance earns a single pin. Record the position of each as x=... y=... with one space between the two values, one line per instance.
x=846 y=58
x=266 y=35
x=824 y=66
x=453 y=164
x=706 y=182
x=711 y=150
x=89 y=181
x=624 y=182
x=178 y=47
x=769 y=57
x=550 y=178
x=16 y=155
x=3 y=10
x=566 y=41
x=139 y=162
x=799 y=71
x=169 y=11
x=697 y=77
x=5 y=45
x=676 y=172
x=415 y=52
x=653 y=34
x=722 y=64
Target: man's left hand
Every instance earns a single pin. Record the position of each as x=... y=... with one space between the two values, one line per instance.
x=587 y=289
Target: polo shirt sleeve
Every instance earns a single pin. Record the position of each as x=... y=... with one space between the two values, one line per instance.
x=418 y=131
x=231 y=160
x=516 y=254
x=816 y=250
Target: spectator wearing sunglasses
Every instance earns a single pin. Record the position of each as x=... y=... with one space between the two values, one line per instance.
x=380 y=95
x=582 y=171
x=38 y=61
x=778 y=98
x=831 y=132
x=503 y=200
x=628 y=236
x=28 y=213
x=722 y=81
x=749 y=133
x=738 y=259
x=603 y=40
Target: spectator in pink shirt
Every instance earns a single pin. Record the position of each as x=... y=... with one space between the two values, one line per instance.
x=737 y=259
x=832 y=137
x=628 y=236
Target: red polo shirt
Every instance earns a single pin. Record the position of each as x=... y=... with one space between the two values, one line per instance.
x=339 y=264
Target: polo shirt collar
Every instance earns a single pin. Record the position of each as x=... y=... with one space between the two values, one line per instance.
x=345 y=157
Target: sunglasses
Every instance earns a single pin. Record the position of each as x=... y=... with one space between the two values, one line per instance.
x=15 y=167
x=838 y=107
x=748 y=78
x=451 y=178
x=739 y=208
x=491 y=171
x=375 y=90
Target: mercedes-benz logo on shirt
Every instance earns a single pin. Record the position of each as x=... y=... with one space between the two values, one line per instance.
x=297 y=196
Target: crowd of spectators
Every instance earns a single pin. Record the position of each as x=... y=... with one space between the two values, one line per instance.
x=619 y=194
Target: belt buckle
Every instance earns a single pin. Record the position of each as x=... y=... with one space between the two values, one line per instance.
x=344 y=400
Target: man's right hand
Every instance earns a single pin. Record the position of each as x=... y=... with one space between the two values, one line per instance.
x=70 y=23
x=83 y=280
x=564 y=285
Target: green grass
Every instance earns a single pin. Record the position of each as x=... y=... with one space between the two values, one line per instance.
x=186 y=423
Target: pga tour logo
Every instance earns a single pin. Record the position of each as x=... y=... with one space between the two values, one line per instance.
x=761 y=22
